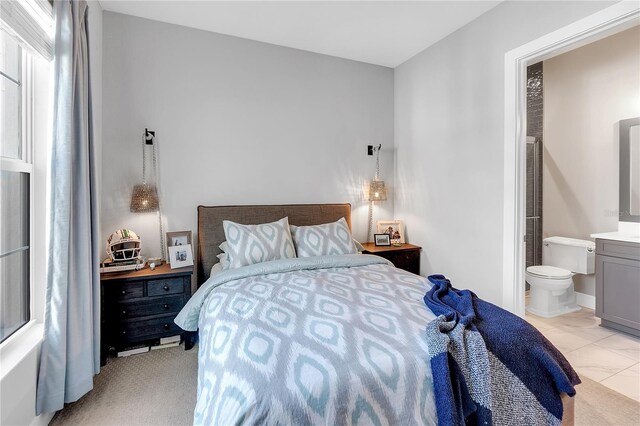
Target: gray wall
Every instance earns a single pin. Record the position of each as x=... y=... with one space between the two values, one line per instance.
x=449 y=130
x=587 y=91
x=237 y=122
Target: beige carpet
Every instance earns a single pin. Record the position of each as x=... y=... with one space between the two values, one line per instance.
x=155 y=388
x=159 y=388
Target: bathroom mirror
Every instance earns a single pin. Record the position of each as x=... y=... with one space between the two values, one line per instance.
x=630 y=170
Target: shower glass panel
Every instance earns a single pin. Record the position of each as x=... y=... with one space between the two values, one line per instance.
x=534 y=164
x=534 y=206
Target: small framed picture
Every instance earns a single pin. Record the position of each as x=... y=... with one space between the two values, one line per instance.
x=180 y=256
x=382 y=239
x=395 y=229
x=177 y=238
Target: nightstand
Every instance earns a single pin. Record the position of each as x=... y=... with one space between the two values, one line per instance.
x=405 y=256
x=140 y=306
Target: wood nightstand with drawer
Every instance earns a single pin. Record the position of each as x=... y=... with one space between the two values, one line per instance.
x=140 y=306
x=405 y=256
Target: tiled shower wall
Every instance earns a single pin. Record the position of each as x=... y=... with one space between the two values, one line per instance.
x=534 y=165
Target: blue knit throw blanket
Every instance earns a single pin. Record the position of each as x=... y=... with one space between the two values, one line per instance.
x=490 y=366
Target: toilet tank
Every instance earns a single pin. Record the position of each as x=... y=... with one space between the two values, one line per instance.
x=569 y=253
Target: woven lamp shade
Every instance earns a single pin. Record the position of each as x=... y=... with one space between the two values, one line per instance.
x=377 y=191
x=144 y=199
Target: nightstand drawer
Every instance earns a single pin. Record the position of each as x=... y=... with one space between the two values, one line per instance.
x=125 y=290
x=166 y=286
x=146 y=307
x=146 y=329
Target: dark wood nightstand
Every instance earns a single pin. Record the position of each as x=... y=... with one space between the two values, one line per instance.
x=140 y=306
x=405 y=256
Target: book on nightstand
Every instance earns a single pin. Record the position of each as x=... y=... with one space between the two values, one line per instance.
x=109 y=265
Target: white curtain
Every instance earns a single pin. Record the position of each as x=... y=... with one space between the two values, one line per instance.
x=71 y=350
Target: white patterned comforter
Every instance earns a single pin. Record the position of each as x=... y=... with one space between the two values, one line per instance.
x=325 y=340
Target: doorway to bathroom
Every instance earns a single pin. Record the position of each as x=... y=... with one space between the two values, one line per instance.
x=575 y=102
x=617 y=18
x=544 y=201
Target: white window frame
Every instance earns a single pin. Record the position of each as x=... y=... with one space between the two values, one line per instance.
x=26 y=165
x=37 y=108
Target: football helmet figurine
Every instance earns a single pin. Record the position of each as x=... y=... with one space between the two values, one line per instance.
x=124 y=244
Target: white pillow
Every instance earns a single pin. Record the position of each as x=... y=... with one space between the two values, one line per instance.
x=223 y=260
x=359 y=246
x=250 y=244
x=215 y=269
x=323 y=240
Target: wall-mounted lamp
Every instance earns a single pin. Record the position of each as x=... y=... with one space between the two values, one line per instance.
x=377 y=189
x=144 y=198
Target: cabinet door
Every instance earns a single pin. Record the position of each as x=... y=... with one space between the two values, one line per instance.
x=408 y=260
x=618 y=290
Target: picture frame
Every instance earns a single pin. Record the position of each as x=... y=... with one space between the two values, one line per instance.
x=180 y=256
x=395 y=229
x=177 y=238
x=382 y=239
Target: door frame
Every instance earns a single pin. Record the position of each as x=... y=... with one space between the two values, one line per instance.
x=616 y=18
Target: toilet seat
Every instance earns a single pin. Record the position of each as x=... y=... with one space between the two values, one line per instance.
x=549 y=272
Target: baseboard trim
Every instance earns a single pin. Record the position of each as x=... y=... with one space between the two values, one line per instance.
x=585 y=300
x=43 y=419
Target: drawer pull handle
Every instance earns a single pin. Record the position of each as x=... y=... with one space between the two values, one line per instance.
x=166 y=306
x=124 y=292
x=166 y=287
x=124 y=312
x=166 y=326
x=124 y=332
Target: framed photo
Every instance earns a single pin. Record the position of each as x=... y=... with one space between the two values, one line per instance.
x=177 y=238
x=395 y=229
x=382 y=239
x=180 y=256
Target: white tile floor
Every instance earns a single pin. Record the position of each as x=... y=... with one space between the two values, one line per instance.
x=601 y=354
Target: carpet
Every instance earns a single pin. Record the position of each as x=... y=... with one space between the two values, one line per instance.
x=159 y=388
x=154 y=388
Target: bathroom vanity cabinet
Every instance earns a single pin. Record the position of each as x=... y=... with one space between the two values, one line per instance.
x=618 y=284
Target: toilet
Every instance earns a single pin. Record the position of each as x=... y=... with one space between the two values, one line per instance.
x=551 y=292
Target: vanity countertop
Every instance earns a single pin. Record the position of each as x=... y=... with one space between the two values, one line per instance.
x=617 y=236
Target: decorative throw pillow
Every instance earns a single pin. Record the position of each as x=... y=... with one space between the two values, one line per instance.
x=249 y=244
x=323 y=240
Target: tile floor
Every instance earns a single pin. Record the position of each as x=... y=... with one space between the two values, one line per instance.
x=607 y=356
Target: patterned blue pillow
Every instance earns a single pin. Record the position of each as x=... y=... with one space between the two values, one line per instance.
x=249 y=244
x=323 y=240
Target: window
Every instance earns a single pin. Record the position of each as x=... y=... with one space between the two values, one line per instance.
x=15 y=187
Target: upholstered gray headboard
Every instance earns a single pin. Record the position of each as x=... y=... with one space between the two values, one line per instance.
x=211 y=234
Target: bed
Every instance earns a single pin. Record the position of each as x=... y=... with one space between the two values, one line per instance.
x=319 y=340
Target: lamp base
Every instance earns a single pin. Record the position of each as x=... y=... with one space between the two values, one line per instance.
x=369 y=231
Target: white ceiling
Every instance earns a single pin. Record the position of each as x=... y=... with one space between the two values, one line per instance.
x=378 y=32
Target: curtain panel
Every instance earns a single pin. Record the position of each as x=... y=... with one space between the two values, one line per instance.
x=70 y=353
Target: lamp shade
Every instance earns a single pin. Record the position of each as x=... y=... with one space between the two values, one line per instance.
x=144 y=199
x=377 y=191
